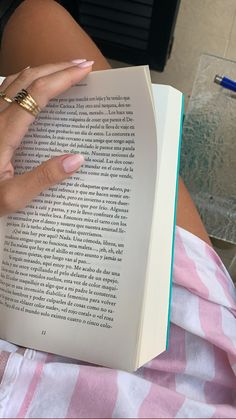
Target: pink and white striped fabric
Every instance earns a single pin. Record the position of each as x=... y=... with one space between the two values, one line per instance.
x=196 y=378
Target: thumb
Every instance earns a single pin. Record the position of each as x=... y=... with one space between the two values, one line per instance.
x=17 y=192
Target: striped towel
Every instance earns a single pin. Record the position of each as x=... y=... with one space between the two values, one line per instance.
x=196 y=378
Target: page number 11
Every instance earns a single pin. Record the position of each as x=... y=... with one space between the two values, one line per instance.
x=44 y=332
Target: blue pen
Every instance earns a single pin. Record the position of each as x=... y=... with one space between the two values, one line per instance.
x=225 y=82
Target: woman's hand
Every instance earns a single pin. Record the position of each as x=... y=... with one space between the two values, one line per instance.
x=42 y=83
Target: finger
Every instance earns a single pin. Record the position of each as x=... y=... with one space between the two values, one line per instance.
x=45 y=88
x=14 y=83
x=8 y=80
x=15 y=121
x=16 y=193
x=22 y=80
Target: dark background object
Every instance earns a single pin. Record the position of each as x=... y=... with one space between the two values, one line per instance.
x=7 y=7
x=133 y=31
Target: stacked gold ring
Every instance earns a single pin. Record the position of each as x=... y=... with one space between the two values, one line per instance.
x=26 y=101
x=5 y=97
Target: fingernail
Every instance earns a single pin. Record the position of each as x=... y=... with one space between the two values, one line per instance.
x=86 y=64
x=72 y=163
x=26 y=68
x=81 y=60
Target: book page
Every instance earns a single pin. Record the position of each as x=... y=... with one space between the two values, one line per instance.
x=75 y=259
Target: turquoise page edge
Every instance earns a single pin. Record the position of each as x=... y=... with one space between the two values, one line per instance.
x=174 y=224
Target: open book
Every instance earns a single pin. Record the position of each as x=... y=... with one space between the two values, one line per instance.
x=85 y=269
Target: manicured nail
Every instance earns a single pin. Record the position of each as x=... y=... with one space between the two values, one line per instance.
x=81 y=60
x=26 y=68
x=86 y=64
x=72 y=163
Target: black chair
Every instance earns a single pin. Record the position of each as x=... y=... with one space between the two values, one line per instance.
x=7 y=7
x=133 y=31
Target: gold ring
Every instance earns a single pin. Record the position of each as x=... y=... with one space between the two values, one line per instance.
x=26 y=101
x=5 y=97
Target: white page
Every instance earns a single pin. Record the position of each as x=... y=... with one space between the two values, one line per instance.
x=66 y=337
